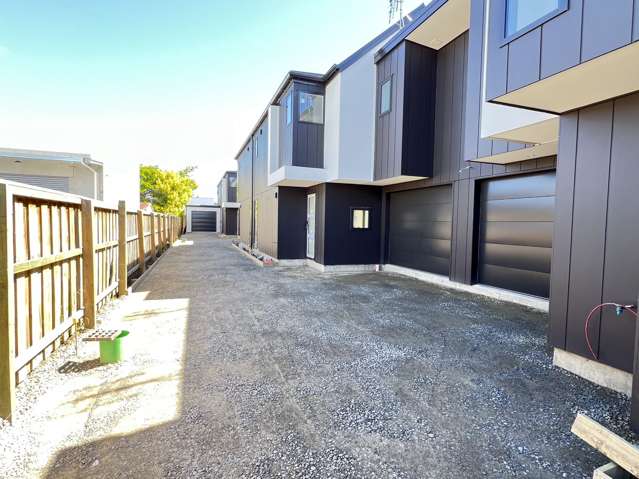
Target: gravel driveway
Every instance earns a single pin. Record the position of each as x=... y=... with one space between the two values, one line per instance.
x=242 y=371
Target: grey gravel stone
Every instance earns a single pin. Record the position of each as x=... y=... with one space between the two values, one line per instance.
x=291 y=373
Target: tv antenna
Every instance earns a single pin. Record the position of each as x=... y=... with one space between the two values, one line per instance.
x=396 y=7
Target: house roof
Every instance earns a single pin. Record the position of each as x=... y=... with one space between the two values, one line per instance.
x=42 y=155
x=324 y=77
x=424 y=15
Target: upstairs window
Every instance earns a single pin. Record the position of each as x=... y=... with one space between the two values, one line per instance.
x=232 y=181
x=288 y=104
x=385 y=97
x=360 y=218
x=311 y=108
x=523 y=15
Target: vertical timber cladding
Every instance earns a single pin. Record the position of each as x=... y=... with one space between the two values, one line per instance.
x=515 y=232
x=420 y=228
x=595 y=254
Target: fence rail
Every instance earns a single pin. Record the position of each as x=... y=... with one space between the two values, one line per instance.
x=62 y=257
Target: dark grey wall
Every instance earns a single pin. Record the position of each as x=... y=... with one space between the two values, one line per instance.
x=588 y=28
x=308 y=138
x=595 y=257
x=301 y=143
x=420 y=78
x=342 y=244
x=404 y=136
x=229 y=221
x=457 y=88
x=388 y=127
x=291 y=223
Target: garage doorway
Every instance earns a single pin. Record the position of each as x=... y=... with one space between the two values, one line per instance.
x=514 y=241
x=420 y=229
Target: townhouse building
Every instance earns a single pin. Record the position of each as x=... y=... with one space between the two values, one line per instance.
x=486 y=144
x=229 y=206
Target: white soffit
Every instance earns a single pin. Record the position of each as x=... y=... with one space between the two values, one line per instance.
x=297 y=176
x=541 y=132
x=398 y=179
x=447 y=23
x=523 y=154
x=608 y=76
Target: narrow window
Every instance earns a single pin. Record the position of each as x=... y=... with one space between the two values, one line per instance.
x=311 y=108
x=360 y=218
x=232 y=181
x=385 y=97
x=289 y=108
x=523 y=13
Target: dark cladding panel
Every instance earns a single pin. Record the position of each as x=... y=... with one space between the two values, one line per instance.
x=291 y=223
x=563 y=39
x=557 y=53
x=497 y=56
x=230 y=221
x=342 y=243
x=523 y=60
x=419 y=110
x=621 y=274
x=589 y=223
x=308 y=138
x=389 y=126
x=606 y=27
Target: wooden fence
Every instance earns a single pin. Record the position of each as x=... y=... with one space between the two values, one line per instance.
x=62 y=257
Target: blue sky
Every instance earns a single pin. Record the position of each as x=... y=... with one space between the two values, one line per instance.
x=173 y=83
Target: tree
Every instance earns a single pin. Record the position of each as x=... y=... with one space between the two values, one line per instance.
x=168 y=191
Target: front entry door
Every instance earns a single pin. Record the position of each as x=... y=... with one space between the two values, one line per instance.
x=310 y=226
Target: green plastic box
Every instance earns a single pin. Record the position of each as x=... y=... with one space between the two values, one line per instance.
x=112 y=351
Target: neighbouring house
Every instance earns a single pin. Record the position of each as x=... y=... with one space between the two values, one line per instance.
x=74 y=173
x=488 y=145
x=229 y=206
x=202 y=214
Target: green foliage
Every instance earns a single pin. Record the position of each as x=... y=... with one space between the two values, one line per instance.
x=168 y=191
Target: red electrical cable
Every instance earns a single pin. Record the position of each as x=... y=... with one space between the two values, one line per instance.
x=627 y=307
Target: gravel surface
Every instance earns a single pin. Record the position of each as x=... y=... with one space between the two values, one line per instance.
x=242 y=371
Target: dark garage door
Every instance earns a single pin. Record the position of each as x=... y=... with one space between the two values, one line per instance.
x=420 y=224
x=515 y=233
x=203 y=220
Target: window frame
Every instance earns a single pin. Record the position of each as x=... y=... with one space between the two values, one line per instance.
x=564 y=5
x=388 y=80
x=367 y=209
x=288 y=105
x=299 y=103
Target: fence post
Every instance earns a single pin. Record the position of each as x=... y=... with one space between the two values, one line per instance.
x=122 y=261
x=165 y=241
x=141 y=241
x=152 y=218
x=7 y=319
x=88 y=266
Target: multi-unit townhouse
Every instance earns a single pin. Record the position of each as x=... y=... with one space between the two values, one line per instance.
x=229 y=206
x=488 y=144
